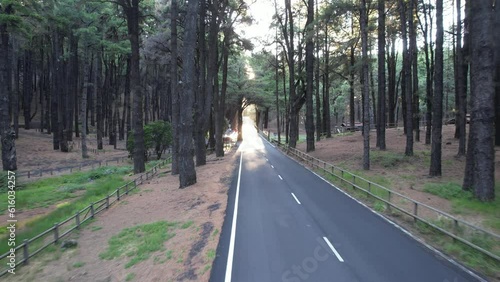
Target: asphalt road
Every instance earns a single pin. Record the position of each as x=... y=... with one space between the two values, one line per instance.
x=284 y=223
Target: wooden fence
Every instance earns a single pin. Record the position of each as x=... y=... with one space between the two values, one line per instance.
x=440 y=221
x=30 y=247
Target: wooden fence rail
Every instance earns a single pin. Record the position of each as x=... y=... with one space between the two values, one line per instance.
x=449 y=225
x=30 y=247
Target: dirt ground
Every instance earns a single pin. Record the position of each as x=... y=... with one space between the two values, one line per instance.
x=34 y=151
x=160 y=199
x=407 y=178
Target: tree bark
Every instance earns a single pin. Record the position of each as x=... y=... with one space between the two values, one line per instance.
x=406 y=83
x=7 y=135
x=310 y=76
x=482 y=102
x=293 y=122
x=460 y=84
x=326 y=95
x=381 y=117
x=187 y=172
x=174 y=86
x=437 y=104
x=366 y=89
x=132 y=13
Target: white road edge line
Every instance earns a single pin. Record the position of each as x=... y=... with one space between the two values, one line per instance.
x=267 y=141
x=280 y=177
x=298 y=202
x=333 y=249
x=230 y=255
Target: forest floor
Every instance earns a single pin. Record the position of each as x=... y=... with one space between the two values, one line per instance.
x=193 y=217
x=34 y=152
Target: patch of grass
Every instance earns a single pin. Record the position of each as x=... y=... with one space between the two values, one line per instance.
x=379 y=206
x=471 y=257
x=46 y=192
x=78 y=264
x=493 y=223
x=130 y=277
x=211 y=254
x=138 y=242
x=216 y=231
x=387 y=159
x=464 y=202
x=186 y=224
x=447 y=190
x=95 y=228
x=168 y=254
x=205 y=269
x=96 y=184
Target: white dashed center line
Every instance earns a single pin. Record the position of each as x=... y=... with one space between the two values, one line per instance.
x=333 y=249
x=280 y=177
x=298 y=202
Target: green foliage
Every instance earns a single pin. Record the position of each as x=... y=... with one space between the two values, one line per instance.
x=139 y=242
x=387 y=159
x=157 y=136
x=447 y=191
x=78 y=264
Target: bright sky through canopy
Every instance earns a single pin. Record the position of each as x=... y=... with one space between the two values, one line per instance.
x=262 y=12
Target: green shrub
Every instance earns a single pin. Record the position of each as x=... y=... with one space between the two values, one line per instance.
x=157 y=136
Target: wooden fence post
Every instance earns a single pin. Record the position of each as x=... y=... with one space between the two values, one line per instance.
x=92 y=210
x=56 y=232
x=26 y=254
x=107 y=201
x=77 y=219
x=415 y=211
x=118 y=194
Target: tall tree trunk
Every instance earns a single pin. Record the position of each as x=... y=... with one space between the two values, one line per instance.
x=55 y=89
x=351 y=89
x=310 y=76
x=482 y=102
x=187 y=172
x=203 y=103
x=381 y=117
x=7 y=135
x=27 y=87
x=174 y=86
x=366 y=89
x=406 y=83
x=429 y=74
x=220 y=110
x=276 y=78
x=294 y=122
x=460 y=84
x=437 y=104
x=392 y=85
x=83 y=108
x=132 y=13
x=320 y=127
x=413 y=13
x=326 y=95
x=99 y=93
